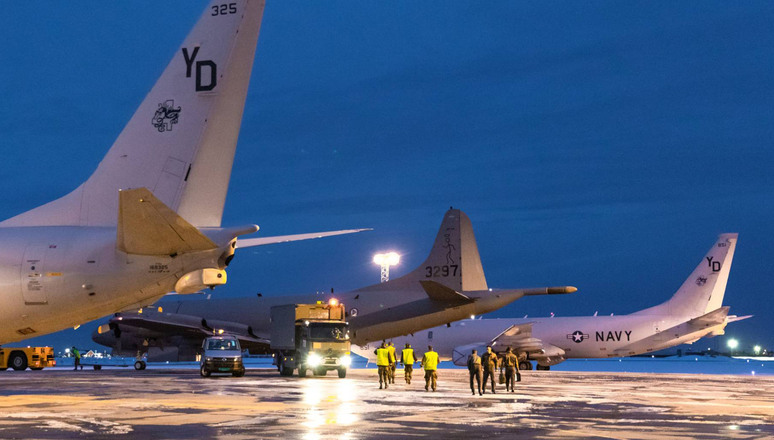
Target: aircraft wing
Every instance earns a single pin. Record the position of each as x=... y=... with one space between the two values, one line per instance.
x=171 y=324
x=260 y=241
x=519 y=337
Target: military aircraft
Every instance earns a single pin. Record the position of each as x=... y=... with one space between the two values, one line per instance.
x=696 y=310
x=148 y=220
x=450 y=285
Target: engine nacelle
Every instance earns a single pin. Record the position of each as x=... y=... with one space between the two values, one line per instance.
x=197 y=280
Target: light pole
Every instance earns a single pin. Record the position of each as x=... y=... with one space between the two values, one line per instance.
x=385 y=261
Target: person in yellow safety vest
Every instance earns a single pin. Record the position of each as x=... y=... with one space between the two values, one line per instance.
x=383 y=364
x=407 y=357
x=77 y=357
x=430 y=364
x=393 y=361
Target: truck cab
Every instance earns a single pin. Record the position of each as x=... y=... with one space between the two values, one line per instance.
x=310 y=337
x=221 y=354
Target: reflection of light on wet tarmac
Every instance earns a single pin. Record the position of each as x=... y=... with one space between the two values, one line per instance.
x=329 y=403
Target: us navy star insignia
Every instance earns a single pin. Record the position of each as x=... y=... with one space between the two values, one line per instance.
x=578 y=336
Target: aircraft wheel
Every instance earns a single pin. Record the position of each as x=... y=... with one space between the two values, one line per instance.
x=525 y=365
x=342 y=373
x=18 y=361
x=301 y=371
x=204 y=371
x=139 y=365
x=542 y=368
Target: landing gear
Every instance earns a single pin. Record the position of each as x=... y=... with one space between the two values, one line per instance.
x=139 y=365
x=18 y=361
x=525 y=365
x=543 y=368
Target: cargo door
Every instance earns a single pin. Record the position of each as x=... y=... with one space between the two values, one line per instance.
x=32 y=276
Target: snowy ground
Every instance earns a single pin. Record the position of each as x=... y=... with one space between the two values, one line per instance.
x=177 y=403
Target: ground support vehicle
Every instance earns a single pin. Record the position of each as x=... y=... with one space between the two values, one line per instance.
x=310 y=337
x=36 y=358
x=221 y=354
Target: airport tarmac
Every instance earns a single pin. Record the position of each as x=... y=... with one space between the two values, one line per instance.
x=168 y=403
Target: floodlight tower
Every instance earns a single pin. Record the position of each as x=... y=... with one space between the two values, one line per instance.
x=385 y=261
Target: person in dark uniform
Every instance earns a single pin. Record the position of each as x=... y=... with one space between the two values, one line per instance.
x=511 y=366
x=489 y=364
x=474 y=368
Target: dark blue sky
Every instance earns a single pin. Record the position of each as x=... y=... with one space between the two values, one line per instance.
x=598 y=144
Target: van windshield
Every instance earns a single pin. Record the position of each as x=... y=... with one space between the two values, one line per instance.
x=222 y=344
x=337 y=332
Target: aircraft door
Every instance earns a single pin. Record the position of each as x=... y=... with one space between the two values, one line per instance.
x=32 y=274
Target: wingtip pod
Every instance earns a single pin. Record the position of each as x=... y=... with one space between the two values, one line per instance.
x=559 y=290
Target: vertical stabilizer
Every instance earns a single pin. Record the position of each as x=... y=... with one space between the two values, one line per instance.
x=453 y=261
x=180 y=142
x=703 y=291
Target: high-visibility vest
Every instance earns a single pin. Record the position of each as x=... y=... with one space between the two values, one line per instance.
x=408 y=356
x=391 y=349
x=382 y=357
x=430 y=360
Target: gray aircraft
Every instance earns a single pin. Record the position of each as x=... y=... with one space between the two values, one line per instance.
x=449 y=286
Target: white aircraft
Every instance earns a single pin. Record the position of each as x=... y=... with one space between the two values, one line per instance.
x=693 y=312
x=148 y=220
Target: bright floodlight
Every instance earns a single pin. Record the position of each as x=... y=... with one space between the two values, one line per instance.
x=385 y=261
x=732 y=344
x=757 y=349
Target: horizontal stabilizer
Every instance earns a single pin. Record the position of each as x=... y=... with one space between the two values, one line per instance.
x=439 y=292
x=734 y=318
x=146 y=226
x=712 y=318
x=260 y=241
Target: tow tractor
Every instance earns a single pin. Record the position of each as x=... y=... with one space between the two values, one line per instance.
x=310 y=337
x=19 y=358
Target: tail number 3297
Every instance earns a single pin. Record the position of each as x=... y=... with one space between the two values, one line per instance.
x=441 y=271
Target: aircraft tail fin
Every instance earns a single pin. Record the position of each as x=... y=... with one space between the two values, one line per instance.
x=148 y=227
x=453 y=262
x=704 y=289
x=180 y=143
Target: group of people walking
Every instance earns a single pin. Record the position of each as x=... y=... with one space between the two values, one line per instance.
x=387 y=363
x=480 y=367
x=487 y=366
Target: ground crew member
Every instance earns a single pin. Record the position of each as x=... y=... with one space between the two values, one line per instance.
x=393 y=361
x=474 y=367
x=511 y=365
x=407 y=357
x=489 y=364
x=77 y=356
x=430 y=364
x=383 y=364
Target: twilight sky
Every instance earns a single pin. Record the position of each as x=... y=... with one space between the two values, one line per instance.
x=600 y=144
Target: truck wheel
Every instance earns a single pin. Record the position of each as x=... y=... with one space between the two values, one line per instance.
x=238 y=373
x=139 y=365
x=18 y=361
x=302 y=371
x=286 y=371
x=320 y=371
x=342 y=373
x=204 y=371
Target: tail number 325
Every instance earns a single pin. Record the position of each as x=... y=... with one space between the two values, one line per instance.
x=441 y=271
